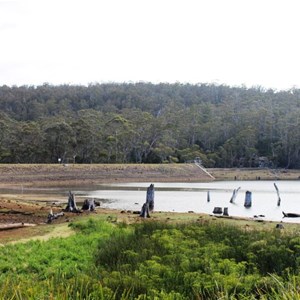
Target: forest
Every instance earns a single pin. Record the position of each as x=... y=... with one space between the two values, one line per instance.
x=150 y=123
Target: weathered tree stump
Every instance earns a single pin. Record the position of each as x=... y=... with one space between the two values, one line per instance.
x=225 y=212
x=208 y=196
x=234 y=194
x=71 y=207
x=218 y=210
x=248 y=199
x=150 y=197
x=145 y=211
x=89 y=204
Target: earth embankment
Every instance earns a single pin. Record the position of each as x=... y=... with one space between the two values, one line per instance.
x=45 y=175
x=55 y=175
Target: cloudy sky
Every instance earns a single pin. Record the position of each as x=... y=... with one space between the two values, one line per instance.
x=232 y=42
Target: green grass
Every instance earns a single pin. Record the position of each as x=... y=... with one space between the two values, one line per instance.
x=154 y=260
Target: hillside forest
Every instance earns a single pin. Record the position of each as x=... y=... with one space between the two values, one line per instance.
x=150 y=123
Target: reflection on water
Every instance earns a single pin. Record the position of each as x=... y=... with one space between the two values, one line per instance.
x=184 y=197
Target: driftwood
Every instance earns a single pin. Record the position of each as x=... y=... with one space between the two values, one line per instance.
x=290 y=215
x=15 y=225
x=52 y=216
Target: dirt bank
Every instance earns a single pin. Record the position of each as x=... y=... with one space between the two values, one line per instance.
x=45 y=175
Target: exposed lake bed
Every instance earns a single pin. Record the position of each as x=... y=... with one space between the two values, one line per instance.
x=179 y=189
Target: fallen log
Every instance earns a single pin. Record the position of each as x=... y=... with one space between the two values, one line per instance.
x=15 y=225
x=52 y=216
x=290 y=215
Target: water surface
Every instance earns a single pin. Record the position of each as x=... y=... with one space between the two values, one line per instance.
x=184 y=197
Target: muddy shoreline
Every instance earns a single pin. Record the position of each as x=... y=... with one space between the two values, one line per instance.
x=21 y=186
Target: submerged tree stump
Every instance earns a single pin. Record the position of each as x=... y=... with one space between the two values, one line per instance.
x=218 y=210
x=225 y=212
x=248 y=199
x=150 y=197
x=234 y=194
x=145 y=211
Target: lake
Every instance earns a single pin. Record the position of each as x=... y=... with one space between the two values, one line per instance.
x=184 y=197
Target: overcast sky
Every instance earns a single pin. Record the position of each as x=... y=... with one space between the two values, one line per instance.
x=232 y=42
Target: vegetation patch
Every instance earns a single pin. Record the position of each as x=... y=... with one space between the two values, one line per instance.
x=154 y=260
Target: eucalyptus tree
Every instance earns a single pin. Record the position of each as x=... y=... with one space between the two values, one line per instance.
x=87 y=127
x=59 y=139
x=27 y=143
x=8 y=129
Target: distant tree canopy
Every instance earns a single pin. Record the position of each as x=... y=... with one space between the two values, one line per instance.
x=150 y=123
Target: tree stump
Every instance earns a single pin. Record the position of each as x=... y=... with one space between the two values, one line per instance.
x=248 y=199
x=71 y=207
x=145 y=211
x=150 y=197
x=89 y=204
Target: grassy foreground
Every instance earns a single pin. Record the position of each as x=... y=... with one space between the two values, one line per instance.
x=170 y=256
x=196 y=258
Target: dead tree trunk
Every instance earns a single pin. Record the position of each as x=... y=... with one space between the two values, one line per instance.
x=208 y=196
x=150 y=197
x=72 y=207
x=145 y=211
x=278 y=195
x=234 y=194
x=248 y=199
x=89 y=204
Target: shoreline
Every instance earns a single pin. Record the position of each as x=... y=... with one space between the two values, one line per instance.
x=21 y=203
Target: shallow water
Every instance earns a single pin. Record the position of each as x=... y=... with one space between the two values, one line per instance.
x=184 y=197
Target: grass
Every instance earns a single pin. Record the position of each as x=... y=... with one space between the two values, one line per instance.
x=184 y=258
x=46 y=232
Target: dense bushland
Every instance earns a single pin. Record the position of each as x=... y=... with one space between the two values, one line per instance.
x=154 y=260
x=147 y=123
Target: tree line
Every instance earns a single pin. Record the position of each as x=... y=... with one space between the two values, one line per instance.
x=150 y=123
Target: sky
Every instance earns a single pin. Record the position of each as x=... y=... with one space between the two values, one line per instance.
x=234 y=42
